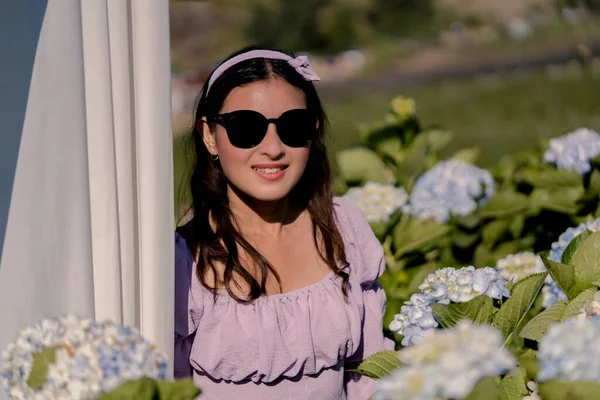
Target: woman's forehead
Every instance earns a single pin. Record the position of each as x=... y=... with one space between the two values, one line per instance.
x=269 y=97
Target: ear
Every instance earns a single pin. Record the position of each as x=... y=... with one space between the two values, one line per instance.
x=208 y=136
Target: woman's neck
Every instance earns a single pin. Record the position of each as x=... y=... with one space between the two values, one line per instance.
x=265 y=217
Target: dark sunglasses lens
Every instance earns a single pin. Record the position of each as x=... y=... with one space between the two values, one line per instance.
x=297 y=128
x=245 y=128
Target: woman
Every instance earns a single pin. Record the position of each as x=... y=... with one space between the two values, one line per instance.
x=276 y=280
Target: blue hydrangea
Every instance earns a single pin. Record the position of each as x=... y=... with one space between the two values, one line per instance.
x=91 y=358
x=570 y=351
x=574 y=150
x=551 y=293
x=451 y=187
x=377 y=201
x=444 y=286
x=447 y=364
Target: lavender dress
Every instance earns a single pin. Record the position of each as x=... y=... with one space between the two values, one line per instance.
x=285 y=346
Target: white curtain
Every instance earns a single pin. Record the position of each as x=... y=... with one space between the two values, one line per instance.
x=86 y=187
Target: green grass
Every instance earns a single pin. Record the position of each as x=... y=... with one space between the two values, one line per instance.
x=500 y=114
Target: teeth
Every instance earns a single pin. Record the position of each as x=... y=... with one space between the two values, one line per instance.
x=269 y=170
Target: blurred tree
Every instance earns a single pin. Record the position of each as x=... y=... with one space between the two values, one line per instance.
x=401 y=17
x=592 y=5
x=334 y=25
x=307 y=25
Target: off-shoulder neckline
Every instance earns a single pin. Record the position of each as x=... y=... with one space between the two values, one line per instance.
x=292 y=294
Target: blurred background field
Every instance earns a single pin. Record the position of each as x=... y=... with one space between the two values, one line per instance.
x=501 y=75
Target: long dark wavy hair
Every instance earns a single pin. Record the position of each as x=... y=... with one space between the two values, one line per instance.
x=209 y=189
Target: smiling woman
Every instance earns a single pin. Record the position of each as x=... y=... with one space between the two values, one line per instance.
x=276 y=280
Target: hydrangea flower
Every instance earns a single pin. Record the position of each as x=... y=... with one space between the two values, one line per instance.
x=570 y=351
x=451 y=187
x=574 y=150
x=550 y=291
x=590 y=309
x=377 y=201
x=516 y=267
x=533 y=394
x=91 y=358
x=447 y=364
x=444 y=286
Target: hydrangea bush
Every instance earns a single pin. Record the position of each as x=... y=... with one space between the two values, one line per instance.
x=552 y=292
x=445 y=286
x=451 y=187
x=532 y=216
x=447 y=364
x=78 y=358
x=574 y=151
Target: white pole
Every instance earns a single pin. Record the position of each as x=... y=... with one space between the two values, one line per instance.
x=151 y=47
x=124 y=129
x=101 y=158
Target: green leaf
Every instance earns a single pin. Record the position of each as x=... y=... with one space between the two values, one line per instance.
x=379 y=229
x=563 y=275
x=482 y=255
x=574 y=306
x=388 y=146
x=410 y=164
x=422 y=273
x=537 y=327
x=39 y=369
x=181 y=389
x=504 y=204
x=413 y=234
x=512 y=387
x=479 y=310
x=595 y=162
x=362 y=165
x=586 y=263
x=528 y=362
x=468 y=155
x=592 y=187
x=494 y=231
x=464 y=239
x=437 y=139
x=561 y=200
x=516 y=225
x=567 y=255
x=521 y=299
x=467 y=221
x=505 y=248
x=562 y=390
x=552 y=178
x=142 y=389
x=379 y=364
x=485 y=389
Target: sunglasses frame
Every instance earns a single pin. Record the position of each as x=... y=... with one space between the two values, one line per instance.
x=221 y=119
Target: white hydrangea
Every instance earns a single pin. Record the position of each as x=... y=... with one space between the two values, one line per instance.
x=451 y=187
x=516 y=267
x=447 y=364
x=590 y=309
x=533 y=394
x=574 y=150
x=551 y=293
x=570 y=351
x=91 y=358
x=377 y=201
x=444 y=286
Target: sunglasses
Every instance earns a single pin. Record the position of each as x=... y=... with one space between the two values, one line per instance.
x=247 y=128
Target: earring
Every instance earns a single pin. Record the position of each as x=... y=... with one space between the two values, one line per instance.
x=214 y=157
